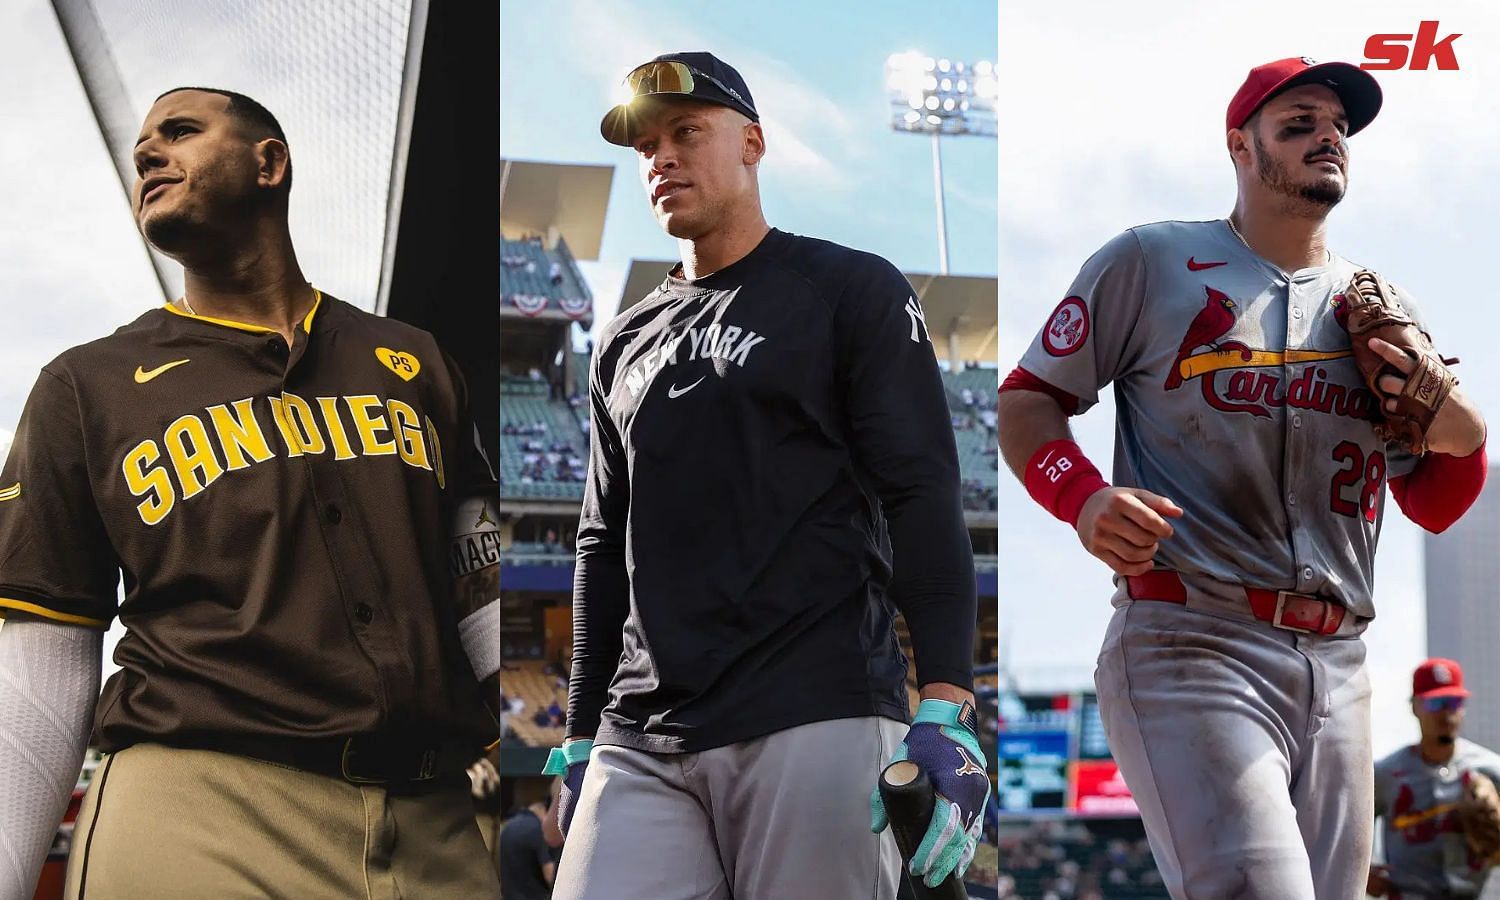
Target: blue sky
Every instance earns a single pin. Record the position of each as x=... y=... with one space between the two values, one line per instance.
x=834 y=168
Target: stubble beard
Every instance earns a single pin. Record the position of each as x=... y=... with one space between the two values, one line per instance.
x=1315 y=199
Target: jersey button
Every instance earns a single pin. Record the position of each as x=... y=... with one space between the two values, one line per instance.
x=333 y=514
x=1296 y=312
x=1291 y=499
x=1296 y=421
x=1307 y=573
x=277 y=346
x=364 y=613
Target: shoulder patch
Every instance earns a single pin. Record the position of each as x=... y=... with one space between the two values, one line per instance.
x=1068 y=328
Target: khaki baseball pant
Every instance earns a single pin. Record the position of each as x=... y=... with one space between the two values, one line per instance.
x=167 y=823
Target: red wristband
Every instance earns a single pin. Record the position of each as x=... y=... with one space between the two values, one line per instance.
x=1061 y=479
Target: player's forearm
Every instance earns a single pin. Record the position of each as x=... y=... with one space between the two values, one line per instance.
x=49 y=682
x=1441 y=488
x=601 y=602
x=933 y=583
x=1027 y=421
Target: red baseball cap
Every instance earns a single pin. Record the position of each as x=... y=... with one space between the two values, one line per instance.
x=1357 y=89
x=1438 y=677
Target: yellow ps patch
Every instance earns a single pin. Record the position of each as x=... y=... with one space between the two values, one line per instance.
x=403 y=364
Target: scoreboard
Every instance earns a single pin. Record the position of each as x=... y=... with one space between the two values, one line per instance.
x=1053 y=757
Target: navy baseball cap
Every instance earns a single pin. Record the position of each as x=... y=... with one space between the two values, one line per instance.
x=1357 y=89
x=699 y=76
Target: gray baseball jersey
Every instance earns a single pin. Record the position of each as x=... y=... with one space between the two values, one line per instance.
x=1238 y=398
x=1417 y=801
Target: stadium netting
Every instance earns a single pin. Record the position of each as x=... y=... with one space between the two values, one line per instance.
x=340 y=76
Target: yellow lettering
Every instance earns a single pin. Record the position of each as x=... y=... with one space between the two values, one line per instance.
x=239 y=433
x=288 y=434
x=300 y=415
x=437 y=454
x=192 y=455
x=336 y=434
x=408 y=431
x=148 y=480
x=369 y=425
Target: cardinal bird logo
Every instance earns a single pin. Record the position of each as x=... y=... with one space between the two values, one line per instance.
x=1211 y=323
x=1340 y=305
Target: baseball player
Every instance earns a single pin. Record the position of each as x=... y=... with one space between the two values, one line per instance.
x=1248 y=491
x=292 y=493
x=1419 y=790
x=772 y=476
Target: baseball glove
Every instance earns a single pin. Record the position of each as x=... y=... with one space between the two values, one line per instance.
x=1479 y=816
x=1373 y=310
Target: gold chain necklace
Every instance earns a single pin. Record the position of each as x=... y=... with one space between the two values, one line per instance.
x=1228 y=221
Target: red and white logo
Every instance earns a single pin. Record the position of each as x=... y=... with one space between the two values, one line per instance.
x=1068 y=328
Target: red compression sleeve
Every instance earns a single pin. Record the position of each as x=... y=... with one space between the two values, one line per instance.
x=1441 y=488
x=1061 y=479
x=1021 y=380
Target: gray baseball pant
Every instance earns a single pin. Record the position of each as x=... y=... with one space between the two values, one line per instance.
x=1247 y=748
x=781 y=816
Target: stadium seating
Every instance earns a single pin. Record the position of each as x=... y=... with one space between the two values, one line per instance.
x=524 y=402
x=524 y=406
x=526 y=267
x=527 y=681
x=1077 y=858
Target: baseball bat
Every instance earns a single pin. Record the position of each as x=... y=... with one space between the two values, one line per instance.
x=909 y=802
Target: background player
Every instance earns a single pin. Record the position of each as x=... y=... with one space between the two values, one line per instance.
x=769 y=434
x=1243 y=523
x=1417 y=791
x=294 y=710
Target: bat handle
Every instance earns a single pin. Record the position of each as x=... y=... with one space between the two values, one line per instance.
x=909 y=801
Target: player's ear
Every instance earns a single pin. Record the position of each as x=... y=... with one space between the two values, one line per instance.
x=273 y=164
x=1237 y=141
x=755 y=144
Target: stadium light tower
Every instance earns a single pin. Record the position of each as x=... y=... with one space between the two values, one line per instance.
x=940 y=97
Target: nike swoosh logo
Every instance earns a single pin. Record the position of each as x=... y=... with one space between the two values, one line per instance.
x=673 y=393
x=11 y=492
x=1043 y=463
x=1195 y=266
x=142 y=376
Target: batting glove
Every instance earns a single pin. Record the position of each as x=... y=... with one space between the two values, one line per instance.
x=944 y=742
x=570 y=761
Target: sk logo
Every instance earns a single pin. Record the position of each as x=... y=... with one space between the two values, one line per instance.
x=403 y=364
x=969 y=767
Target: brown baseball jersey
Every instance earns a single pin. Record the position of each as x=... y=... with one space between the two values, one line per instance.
x=281 y=516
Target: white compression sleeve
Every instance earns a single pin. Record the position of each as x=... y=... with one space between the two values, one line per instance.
x=476 y=552
x=480 y=633
x=49 y=683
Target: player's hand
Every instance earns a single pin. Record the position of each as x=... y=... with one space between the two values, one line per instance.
x=1123 y=526
x=484 y=781
x=1458 y=427
x=943 y=742
x=1379 y=882
x=571 y=761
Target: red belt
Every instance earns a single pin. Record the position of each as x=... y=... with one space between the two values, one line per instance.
x=1283 y=609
